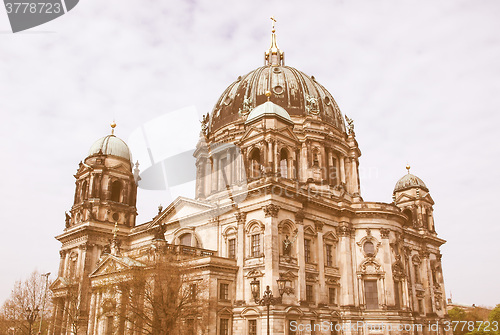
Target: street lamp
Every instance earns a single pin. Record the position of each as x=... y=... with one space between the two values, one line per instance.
x=46 y=275
x=267 y=298
x=31 y=315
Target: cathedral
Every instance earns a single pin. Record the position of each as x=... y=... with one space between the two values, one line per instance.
x=277 y=211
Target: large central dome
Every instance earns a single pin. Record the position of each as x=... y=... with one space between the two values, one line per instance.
x=299 y=94
x=296 y=92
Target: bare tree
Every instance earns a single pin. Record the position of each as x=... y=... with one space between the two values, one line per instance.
x=22 y=310
x=72 y=308
x=165 y=297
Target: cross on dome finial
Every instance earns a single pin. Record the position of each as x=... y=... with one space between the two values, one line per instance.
x=113 y=125
x=274 y=56
x=115 y=230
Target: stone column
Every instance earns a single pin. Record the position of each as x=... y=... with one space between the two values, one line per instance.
x=214 y=175
x=346 y=271
x=427 y=282
x=322 y=297
x=342 y=169
x=271 y=246
x=92 y=314
x=303 y=164
x=387 y=265
x=240 y=256
x=301 y=285
x=269 y=152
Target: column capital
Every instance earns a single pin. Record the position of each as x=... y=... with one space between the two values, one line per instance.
x=319 y=225
x=345 y=229
x=240 y=217
x=384 y=233
x=271 y=210
x=299 y=216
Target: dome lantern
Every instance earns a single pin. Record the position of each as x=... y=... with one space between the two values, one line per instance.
x=274 y=56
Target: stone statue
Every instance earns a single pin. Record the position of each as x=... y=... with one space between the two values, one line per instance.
x=350 y=124
x=287 y=246
x=160 y=232
x=204 y=124
x=68 y=219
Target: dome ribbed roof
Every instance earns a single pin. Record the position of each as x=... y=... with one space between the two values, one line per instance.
x=268 y=108
x=409 y=181
x=290 y=88
x=110 y=145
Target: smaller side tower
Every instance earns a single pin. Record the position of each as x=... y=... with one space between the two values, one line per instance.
x=412 y=196
x=104 y=204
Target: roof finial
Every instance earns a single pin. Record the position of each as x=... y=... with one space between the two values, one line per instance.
x=408 y=168
x=115 y=230
x=268 y=95
x=274 y=56
x=113 y=125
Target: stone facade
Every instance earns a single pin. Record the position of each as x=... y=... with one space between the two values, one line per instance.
x=277 y=197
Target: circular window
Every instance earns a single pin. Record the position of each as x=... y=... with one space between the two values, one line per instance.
x=278 y=89
x=276 y=70
x=327 y=100
x=369 y=248
x=116 y=216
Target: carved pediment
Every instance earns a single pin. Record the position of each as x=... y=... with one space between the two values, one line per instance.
x=113 y=264
x=254 y=273
x=370 y=267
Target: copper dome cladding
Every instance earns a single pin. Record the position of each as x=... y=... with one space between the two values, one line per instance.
x=296 y=92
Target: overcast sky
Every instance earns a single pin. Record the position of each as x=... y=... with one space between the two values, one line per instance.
x=421 y=79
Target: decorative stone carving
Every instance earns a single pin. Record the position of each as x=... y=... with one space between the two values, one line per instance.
x=241 y=217
x=312 y=105
x=247 y=106
x=318 y=225
x=271 y=210
x=299 y=217
x=254 y=273
x=384 y=232
x=345 y=230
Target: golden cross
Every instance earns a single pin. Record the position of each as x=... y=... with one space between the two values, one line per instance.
x=115 y=231
x=274 y=21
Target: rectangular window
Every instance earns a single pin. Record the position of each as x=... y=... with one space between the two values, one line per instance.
x=256 y=245
x=420 y=306
x=223 y=291
x=192 y=291
x=307 y=250
x=329 y=256
x=313 y=327
x=224 y=327
x=333 y=328
x=371 y=294
x=190 y=326
x=397 y=302
x=332 y=299
x=252 y=327
x=231 y=253
x=416 y=270
x=292 y=325
x=309 y=293
x=109 y=325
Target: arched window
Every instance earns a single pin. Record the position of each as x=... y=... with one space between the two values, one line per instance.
x=284 y=163
x=84 y=191
x=185 y=239
x=116 y=190
x=255 y=164
x=409 y=215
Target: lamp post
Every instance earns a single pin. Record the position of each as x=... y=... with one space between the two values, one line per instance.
x=46 y=275
x=267 y=298
x=31 y=317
